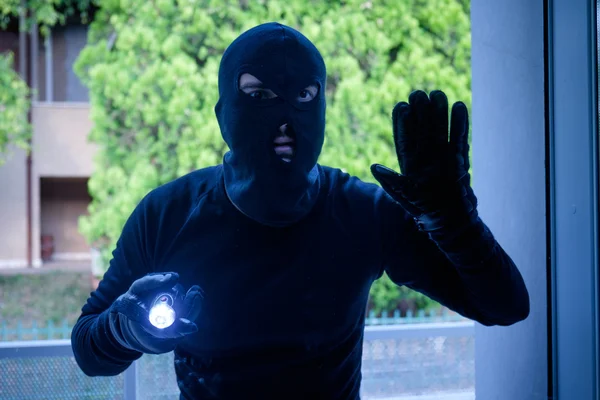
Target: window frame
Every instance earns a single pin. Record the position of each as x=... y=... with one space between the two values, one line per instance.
x=572 y=118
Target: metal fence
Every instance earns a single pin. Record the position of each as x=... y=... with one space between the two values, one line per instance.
x=34 y=330
x=400 y=362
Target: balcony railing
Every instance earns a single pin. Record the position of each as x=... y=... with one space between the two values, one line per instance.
x=412 y=361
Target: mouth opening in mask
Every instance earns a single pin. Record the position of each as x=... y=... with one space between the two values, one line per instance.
x=284 y=143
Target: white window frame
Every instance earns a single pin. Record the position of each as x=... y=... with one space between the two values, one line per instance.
x=573 y=177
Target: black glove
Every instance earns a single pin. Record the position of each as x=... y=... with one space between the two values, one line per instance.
x=435 y=186
x=129 y=315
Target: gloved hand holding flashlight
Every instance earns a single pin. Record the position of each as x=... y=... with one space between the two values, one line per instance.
x=155 y=314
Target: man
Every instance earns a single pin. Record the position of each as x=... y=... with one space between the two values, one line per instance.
x=278 y=253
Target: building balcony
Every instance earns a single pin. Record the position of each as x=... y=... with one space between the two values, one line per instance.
x=60 y=146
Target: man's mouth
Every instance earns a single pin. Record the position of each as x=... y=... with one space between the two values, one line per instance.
x=284 y=147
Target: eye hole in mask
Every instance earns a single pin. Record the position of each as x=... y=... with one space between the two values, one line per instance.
x=254 y=88
x=261 y=94
x=307 y=94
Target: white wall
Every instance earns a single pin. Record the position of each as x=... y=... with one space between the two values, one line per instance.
x=509 y=180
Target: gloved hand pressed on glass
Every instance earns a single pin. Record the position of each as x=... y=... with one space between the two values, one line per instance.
x=129 y=314
x=434 y=187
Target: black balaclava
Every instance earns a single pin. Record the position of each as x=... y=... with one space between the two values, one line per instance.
x=258 y=182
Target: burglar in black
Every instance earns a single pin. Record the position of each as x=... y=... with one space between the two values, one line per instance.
x=274 y=254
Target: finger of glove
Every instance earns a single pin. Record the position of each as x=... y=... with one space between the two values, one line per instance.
x=405 y=139
x=385 y=176
x=192 y=303
x=157 y=340
x=418 y=98
x=153 y=282
x=427 y=138
x=421 y=107
x=131 y=308
x=439 y=103
x=395 y=185
x=181 y=327
x=186 y=327
x=459 y=136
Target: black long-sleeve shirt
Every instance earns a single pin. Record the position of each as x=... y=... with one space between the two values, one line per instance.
x=284 y=308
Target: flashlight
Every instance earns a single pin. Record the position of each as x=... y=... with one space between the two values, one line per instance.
x=162 y=314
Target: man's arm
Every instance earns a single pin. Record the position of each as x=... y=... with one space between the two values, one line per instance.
x=448 y=252
x=96 y=350
x=469 y=273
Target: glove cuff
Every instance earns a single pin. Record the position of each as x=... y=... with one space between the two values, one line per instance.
x=110 y=342
x=471 y=245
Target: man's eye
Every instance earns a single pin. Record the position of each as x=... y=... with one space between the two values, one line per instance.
x=308 y=94
x=262 y=94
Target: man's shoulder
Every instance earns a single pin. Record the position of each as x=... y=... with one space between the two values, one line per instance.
x=354 y=194
x=340 y=182
x=365 y=202
x=186 y=188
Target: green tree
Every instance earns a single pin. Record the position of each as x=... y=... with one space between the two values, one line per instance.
x=14 y=104
x=151 y=67
x=46 y=13
x=15 y=129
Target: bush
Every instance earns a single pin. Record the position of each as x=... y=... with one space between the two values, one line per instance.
x=151 y=67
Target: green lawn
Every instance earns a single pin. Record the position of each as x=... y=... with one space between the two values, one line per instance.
x=52 y=296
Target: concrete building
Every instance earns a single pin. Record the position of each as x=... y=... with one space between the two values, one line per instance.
x=46 y=197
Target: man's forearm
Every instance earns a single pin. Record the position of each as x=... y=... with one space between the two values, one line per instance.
x=490 y=276
x=96 y=350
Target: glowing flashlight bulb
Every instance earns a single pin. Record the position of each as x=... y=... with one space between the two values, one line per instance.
x=162 y=315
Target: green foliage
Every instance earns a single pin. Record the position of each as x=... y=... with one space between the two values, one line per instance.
x=385 y=296
x=151 y=66
x=46 y=13
x=14 y=103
